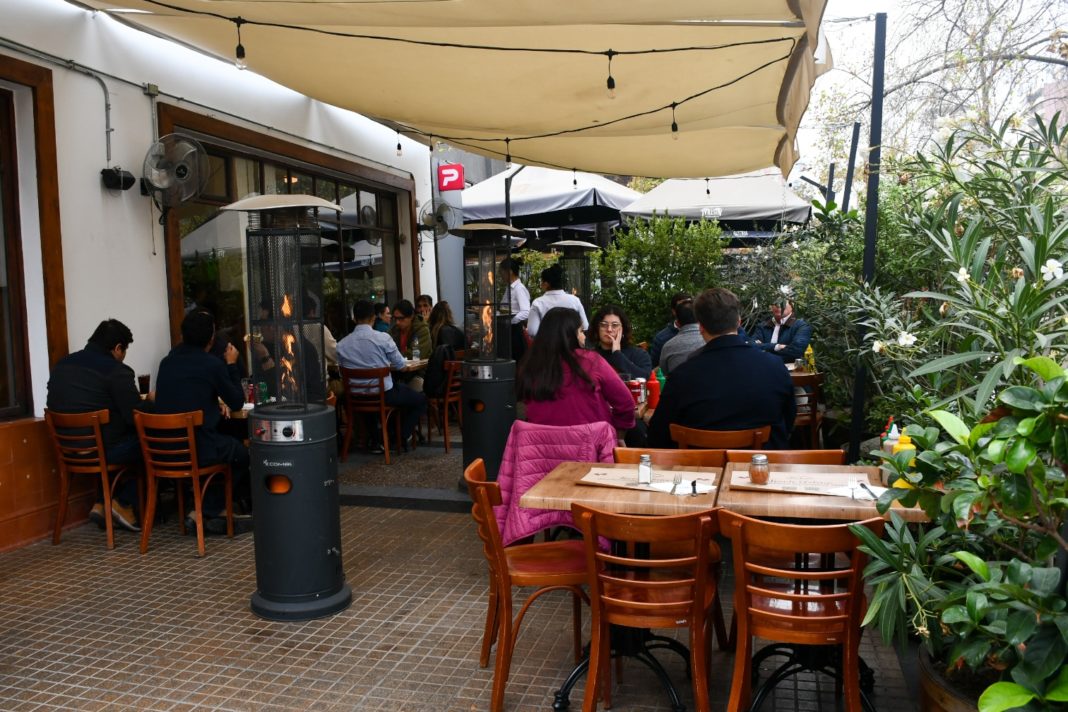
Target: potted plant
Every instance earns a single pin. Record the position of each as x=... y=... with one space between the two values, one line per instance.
x=980 y=585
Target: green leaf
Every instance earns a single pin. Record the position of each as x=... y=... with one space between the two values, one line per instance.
x=977 y=605
x=1044 y=580
x=1058 y=690
x=1022 y=398
x=973 y=562
x=1026 y=426
x=1020 y=455
x=995 y=451
x=953 y=425
x=956 y=614
x=946 y=362
x=1060 y=444
x=1020 y=626
x=1004 y=696
x=1044 y=366
x=1045 y=655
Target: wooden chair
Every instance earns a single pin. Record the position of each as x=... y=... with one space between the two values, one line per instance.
x=720 y=439
x=793 y=457
x=367 y=395
x=169 y=447
x=79 y=448
x=629 y=588
x=798 y=605
x=439 y=407
x=548 y=566
x=809 y=414
x=667 y=457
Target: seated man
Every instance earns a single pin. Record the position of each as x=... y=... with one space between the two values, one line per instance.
x=670 y=330
x=96 y=378
x=367 y=348
x=784 y=334
x=190 y=379
x=681 y=346
x=726 y=385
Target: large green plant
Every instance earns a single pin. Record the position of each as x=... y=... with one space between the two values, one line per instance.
x=652 y=259
x=980 y=586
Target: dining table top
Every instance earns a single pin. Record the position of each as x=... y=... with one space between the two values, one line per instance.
x=412 y=365
x=561 y=487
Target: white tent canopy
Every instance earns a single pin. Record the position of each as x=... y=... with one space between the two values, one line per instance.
x=756 y=196
x=544 y=193
x=528 y=77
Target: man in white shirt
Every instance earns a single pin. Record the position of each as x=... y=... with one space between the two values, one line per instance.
x=517 y=298
x=552 y=282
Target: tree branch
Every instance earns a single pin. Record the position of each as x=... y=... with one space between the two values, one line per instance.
x=997 y=57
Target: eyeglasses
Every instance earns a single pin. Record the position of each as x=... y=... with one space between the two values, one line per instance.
x=611 y=325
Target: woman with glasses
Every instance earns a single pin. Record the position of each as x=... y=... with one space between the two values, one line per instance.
x=561 y=383
x=610 y=336
x=410 y=334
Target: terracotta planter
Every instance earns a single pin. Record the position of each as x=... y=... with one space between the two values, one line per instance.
x=937 y=694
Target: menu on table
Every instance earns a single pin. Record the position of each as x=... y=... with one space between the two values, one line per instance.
x=627 y=478
x=822 y=483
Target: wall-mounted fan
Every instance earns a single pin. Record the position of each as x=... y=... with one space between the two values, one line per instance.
x=175 y=170
x=368 y=216
x=438 y=219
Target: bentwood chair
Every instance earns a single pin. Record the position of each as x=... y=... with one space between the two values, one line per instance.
x=637 y=587
x=667 y=457
x=720 y=439
x=792 y=457
x=799 y=605
x=169 y=447
x=79 y=448
x=365 y=394
x=547 y=566
x=450 y=398
x=809 y=399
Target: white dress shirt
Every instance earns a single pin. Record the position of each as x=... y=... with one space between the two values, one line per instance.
x=519 y=300
x=553 y=298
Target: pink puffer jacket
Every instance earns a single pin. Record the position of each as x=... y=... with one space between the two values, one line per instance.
x=531 y=453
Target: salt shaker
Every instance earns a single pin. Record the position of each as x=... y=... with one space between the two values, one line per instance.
x=758 y=469
x=645 y=470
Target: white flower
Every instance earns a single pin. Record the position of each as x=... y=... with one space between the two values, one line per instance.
x=877 y=346
x=962 y=275
x=794 y=244
x=785 y=290
x=1052 y=270
x=905 y=339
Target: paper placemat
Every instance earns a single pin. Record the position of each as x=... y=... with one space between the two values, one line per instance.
x=627 y=478
x=820 y=483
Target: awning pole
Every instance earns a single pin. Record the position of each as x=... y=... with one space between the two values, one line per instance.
x=508 y=195
x=849 y=168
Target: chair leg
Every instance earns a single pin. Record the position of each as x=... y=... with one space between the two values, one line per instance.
x=179 y=494
x=384 y=417
x=505 y=642
x=851 y=672
x=576 y=619
x=489 y=636
x=699 y=664
x=350 y=417
x=443 y=418
x=741 y=683
x=595 y=672
x=105 y=486
x=725 y=642
x=198 y=516
x=228 y=477
x=149 y=516
x=61 y=513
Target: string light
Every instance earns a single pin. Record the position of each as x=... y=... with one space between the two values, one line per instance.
x=507 y=153
x=574 y=178
x=674 y=123
x=611 y=83
x=239 y=51
x=708 y=188
x=400 y=151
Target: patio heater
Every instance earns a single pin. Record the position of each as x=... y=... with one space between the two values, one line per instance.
x=292 y=431
x=488 y=375
x=578 y=275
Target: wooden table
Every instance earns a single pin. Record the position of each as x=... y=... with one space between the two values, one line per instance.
x=807 y=506
x=560 y=488
x=411 y=365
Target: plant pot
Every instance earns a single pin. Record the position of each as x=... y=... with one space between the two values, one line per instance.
x=938 y=693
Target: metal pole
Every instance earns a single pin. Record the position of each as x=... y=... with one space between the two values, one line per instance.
x=508 y=195
x=830 y=184
x=852 y=162
x=871 y=220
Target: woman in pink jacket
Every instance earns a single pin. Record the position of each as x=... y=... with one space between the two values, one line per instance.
x=563 y=384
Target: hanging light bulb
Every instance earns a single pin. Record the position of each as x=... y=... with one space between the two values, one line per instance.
x=400 y=151
x=574 y=178
x=611 y=83
x=708 y=188
x=239 y=51
x=674 y=124
x=507 y=153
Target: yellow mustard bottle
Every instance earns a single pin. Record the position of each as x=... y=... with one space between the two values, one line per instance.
x=810 y=358
x=904 y=443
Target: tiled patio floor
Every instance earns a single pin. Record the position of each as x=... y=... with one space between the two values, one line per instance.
x=82 y=628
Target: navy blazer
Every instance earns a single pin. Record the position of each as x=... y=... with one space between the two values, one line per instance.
x=794 y=334
x=727 y=385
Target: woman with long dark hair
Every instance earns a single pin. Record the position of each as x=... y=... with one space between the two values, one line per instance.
x=610 y=337
x=443 y=329
x=561 y=383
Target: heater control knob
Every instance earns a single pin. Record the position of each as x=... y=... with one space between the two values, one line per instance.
x=260 y=431
x=287 y=431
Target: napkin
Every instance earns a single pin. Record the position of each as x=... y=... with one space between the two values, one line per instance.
x=684 y=487
x=858 y=493
x=248 y=406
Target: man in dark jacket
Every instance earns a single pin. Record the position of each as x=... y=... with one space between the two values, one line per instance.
x=784 y=334
x=727 y=384
x=189 y=379
x=96 y=378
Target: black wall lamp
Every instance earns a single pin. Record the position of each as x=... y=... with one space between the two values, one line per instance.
x=116 y=179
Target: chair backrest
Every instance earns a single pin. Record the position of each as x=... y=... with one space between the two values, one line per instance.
x=720 y=439
x=168 y=442
x=453 y=382
x=484 y=497
x=77 y=440
x=827 y=597
x=666 y=457
x=812 y=385
x=635 y=584
x=792 y=457
x=365 y=388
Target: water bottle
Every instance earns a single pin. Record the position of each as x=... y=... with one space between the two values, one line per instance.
x=415 y=350
x=645 y=470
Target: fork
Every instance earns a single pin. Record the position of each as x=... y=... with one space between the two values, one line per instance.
x=675 y=483
x=852 y=485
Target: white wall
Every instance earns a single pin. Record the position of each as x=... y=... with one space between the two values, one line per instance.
x=112 y=243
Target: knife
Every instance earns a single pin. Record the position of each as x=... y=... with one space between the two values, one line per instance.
x=693 y=485
x=864 y=486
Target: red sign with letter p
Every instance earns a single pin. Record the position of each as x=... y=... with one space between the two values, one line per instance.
x=450 y=177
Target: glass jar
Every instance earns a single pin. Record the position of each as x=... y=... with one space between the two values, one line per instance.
x=759 y=471
x=645 y=470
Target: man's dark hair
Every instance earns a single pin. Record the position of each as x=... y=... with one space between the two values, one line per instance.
x=679 y=298
x=685 y=314
x=717 y=310
x=553 y=276
x=198 y=327
x=112 y=332
x=363 y=310
x=512 y=265
x=403 y=308
x=425 y=298
x=379 y=307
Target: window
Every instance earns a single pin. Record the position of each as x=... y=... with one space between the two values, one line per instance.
x=14 y=390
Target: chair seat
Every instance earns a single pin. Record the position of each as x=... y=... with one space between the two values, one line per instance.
x=551 y=563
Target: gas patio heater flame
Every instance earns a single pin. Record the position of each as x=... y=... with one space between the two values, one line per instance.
x=289 y=361
x=487 y=321
x=287 y=306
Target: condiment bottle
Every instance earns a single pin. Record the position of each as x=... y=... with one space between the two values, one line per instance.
x=759 y=472
x=810 y=357
x=645 y=470
x=891 y=439
x=654 y=393
x=904 y=443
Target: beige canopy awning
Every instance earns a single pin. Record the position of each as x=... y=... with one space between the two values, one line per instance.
x=528 y=78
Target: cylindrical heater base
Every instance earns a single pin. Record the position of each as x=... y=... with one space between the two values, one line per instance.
x=293 y=472
x=488 y=392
